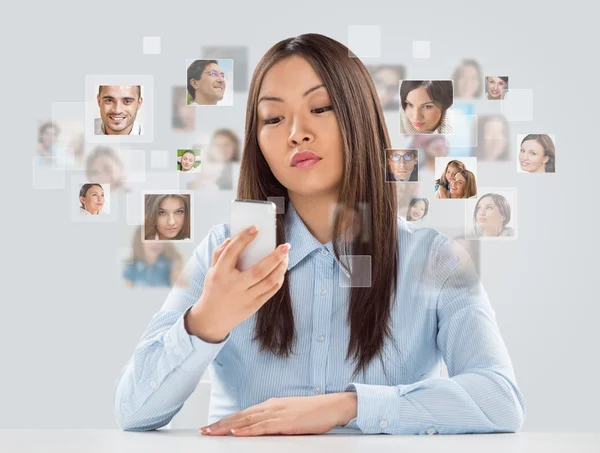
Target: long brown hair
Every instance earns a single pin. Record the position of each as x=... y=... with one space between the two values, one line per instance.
x=454 y=163
x=471 y=183
x=152 y=203
x=364 y=139
x=548 y=146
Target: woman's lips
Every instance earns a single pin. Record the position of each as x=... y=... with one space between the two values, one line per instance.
x=418 y=124
x=307 y=163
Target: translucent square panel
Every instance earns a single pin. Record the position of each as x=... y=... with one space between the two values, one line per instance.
x=517 y=105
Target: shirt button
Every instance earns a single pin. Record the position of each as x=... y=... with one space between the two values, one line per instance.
x=317 y=390
x=320 y=338
x=323 y=292
x=383 y=423
x=324 y=252
x=153 y=384
x=431 y=431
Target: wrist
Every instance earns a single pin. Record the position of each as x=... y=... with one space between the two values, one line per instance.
x=348 y=407
x=194 y=325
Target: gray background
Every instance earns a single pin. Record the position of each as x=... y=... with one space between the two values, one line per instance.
x=68 y=324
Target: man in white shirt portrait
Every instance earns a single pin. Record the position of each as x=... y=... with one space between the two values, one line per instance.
x=119 y=106
x=205 y=82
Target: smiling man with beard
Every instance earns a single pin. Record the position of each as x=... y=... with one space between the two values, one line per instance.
x=118 y=109
x=205 y=82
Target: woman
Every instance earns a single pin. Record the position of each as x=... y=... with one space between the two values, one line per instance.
x=104 y=165
x=91 y=197
x=426 y=107
x=187 y=161
x=402 y=165
x=224 y=146
x=462 y=185
x=492 y=138
x=491 y=215
x=152 y=264
x=319 y=354
x=442 y=185
x=496 y=87
x=537 y=154
x=417 y=209
x=167 y=217
x=467 y=79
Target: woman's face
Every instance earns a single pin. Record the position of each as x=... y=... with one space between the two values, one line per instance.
x=488 y=216
x=297 y=116
x=187 y=161
x=402 y=169
x=418 y=210
x=495 y=87
x=48 y=136
x=93 y=200
x=421 y=111
x=170 y=218
x=187 y=116
x=531 y=157
x=457 y=186
x=222 y=147
x=494 y=137
x=386 y=82
x=107 y=170
x=450 y=171
x=469 y=82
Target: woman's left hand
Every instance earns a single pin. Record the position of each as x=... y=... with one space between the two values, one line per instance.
x=299 y=415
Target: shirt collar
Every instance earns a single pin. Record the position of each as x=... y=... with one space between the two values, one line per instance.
x=302 y=241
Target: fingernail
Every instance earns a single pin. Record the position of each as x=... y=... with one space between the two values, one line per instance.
x=208 y=430
x=285 y=248
x=232 y=431
x=252 y=229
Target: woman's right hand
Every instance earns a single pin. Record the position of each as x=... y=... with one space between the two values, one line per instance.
x=231 y=296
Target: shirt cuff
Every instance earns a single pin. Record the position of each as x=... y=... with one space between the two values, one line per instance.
x=377 y=408
x=188 y=351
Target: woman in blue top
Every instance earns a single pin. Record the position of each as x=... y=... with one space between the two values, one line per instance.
x=153 y=264
x=324 y=335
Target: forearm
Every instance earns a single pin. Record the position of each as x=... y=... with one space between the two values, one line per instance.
x=163 y=372
x=348 y=407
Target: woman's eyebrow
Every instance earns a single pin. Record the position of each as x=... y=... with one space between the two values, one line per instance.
x=276 y=99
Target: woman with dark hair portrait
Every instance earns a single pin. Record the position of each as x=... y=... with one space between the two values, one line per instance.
x=537 y=154
x=290 y=349
x=224 y=146
x=491 y=216
x=167 y=217
x=492 y=138
x=152 y=264
x=426 y=107
x=468 y=80
x=91 y=199
x=104 y=165
x=496 y=87
x=402 y=165
x=417 y=209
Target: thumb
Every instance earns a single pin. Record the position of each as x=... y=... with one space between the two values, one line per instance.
x=218 y=250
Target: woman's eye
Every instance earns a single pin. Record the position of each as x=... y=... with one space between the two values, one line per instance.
x=429 y=106
x=180 y=212
x=322 y=109
x=161 y=213
x=273 y=120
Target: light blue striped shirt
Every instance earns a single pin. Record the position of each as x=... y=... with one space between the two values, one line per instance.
x=441 y=312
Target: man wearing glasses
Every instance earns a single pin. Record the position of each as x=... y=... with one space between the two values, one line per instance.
x=205 y=82
x=402 y=165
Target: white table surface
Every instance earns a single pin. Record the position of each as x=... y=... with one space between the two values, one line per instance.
x=176 y=441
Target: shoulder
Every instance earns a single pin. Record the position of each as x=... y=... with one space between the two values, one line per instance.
x=215 y=236
x=416 y=235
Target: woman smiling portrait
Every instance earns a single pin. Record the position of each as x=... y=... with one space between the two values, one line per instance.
x=289 y=349
x=426 y=107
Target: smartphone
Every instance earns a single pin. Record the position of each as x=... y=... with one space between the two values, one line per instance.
x=245 y=213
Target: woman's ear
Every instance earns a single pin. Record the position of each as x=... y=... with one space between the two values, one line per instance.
x=81 y=200
x=546 y=159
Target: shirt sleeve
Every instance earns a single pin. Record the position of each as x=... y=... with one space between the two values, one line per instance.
x=167 y=363
x=479 y=396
